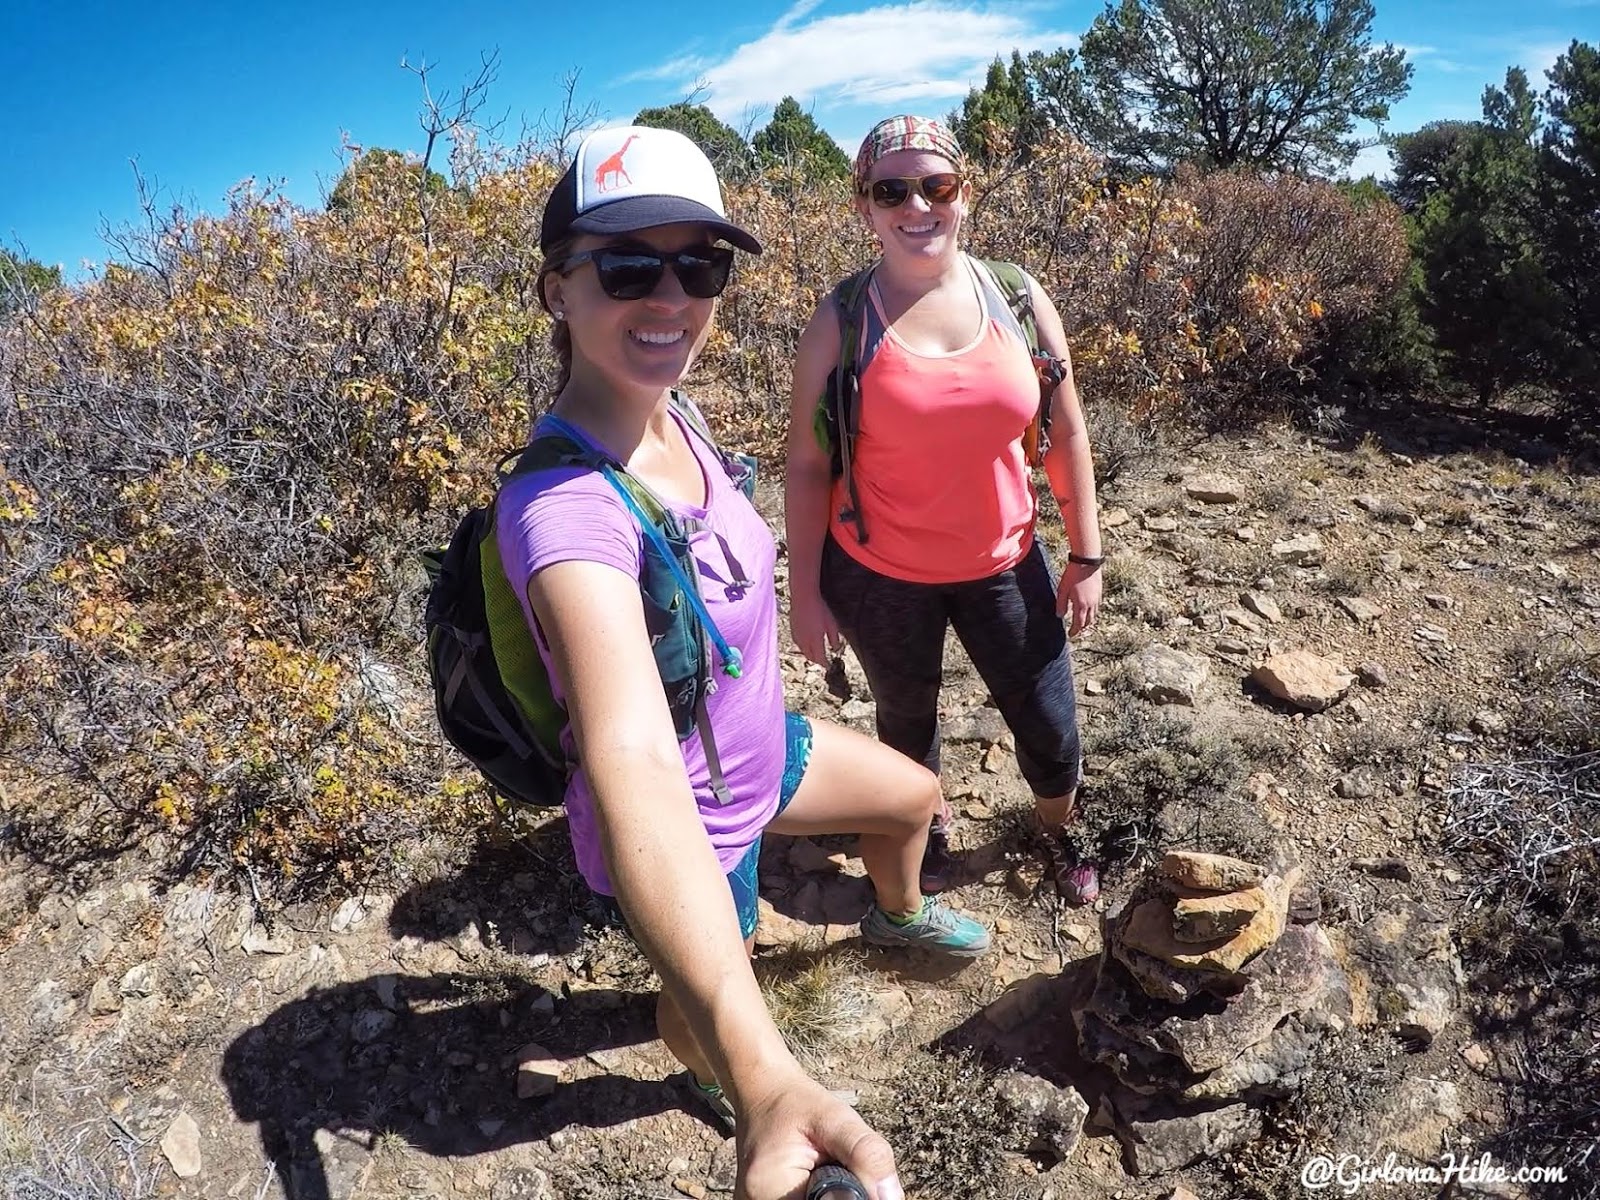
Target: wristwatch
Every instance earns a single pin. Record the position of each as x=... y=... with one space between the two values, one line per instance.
x=1085 y=560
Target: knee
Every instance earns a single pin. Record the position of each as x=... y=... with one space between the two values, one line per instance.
x=906 y=794
x=1055 y=769
x=926 y=798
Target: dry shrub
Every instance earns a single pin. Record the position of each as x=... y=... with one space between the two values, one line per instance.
x=41 y=1160
x=222 y=456
x=819 y=1002
x=218 y=459
x=1284 y=267
x=1529 y=828
x=1170 y=776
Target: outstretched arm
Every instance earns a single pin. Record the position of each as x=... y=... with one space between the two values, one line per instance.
x=671 y=887
x=1070 y=468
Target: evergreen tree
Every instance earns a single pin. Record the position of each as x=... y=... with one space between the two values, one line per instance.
x=1266 y=83
x=346 y=190
x=1484 y=289
x=1001 y=118
x=721 y=143
x=22 y=279
x=792 y=137
x=1567 y=214
x=1423 y=159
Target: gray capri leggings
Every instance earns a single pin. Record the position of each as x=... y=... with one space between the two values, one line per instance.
x=1008 y=624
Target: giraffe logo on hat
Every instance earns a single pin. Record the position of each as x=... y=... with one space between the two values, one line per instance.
x=611 y=173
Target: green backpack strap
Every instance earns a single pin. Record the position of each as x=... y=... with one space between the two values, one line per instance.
x=741 y=468
x=1012 y=283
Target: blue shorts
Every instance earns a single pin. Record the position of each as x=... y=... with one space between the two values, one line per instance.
x=742 y=880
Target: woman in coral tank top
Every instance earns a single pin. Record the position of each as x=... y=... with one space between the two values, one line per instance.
x=934 y=524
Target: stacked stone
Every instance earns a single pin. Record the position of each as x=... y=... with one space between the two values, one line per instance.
x=1215 y=987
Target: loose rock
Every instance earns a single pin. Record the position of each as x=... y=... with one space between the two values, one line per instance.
x=1384 y=868
x=724 y=1169
x=1403 y=970
x=1373 y=675
x=1163 y=675
x=1362 y=612
x=1052 y=1117
x=103 y=998
x=1210 y=872
x=1207 y=918
x=139 y=980
x=1357 y=785
x=1304 y=679
x=1303 y=550
x=181 y=1146
x=1262 y=606
x=1214 y=489
x=538 y=1072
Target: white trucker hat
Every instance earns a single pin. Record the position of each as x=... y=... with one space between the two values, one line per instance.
x=634 y=177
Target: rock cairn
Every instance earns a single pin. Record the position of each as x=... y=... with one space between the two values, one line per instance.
x=1214 y=988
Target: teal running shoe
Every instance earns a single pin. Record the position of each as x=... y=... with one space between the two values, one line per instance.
x=937 y=927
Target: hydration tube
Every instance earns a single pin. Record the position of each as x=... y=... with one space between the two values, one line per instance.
x=732 y=658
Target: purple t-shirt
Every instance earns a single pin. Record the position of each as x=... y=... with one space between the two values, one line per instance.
x=574 y=514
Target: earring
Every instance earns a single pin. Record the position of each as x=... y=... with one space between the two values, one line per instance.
x=558 y=315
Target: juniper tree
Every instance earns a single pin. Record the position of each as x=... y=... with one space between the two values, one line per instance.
x=1266 y=83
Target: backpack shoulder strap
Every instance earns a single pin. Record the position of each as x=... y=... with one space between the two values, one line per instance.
x=861 y=327
x=740 y=468
x=565 y=446
x=849 y=302
x=838 y=420
x=1010 y=283
x=690 y=412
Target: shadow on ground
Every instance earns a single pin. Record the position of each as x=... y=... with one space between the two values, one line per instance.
x=521 y=891
x=1030 y=1028
x=1424 y=427
x=431 y=1059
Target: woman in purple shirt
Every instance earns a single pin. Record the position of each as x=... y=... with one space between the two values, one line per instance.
x=632 y=271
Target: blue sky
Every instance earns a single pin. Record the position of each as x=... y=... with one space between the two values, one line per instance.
x=205 y=95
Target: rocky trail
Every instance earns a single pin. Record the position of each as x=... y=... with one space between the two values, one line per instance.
x=1303 y=642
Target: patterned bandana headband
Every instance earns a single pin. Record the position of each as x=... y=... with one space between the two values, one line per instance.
x=904 y=133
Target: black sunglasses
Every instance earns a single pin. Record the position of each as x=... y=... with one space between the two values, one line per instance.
x=626 y=274
x=942 y=188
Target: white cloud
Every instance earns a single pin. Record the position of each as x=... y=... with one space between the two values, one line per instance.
x=684 y=66
x=797 y=12
x=890 y=55
x=1432 y=58
x=1538 y=58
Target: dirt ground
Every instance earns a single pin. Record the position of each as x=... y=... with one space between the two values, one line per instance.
x=367 y=1047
